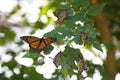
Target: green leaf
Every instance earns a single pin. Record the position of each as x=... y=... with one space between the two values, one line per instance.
x=2 y=76
x=80 y=5
x=18 y=77
x=8 y=35
x=77 y=38
x=35 y=56
x=25 y=22
x=32 y=74
x=11 y=64
x=97 y=45
x=44 y=9
x=85 y=2
x=15 y=10
x=76 y=5
x=60 y=33
x=67 y=60
x=11 y=53
x=48 y=49
x=95 y=9
x=32 y=54
x=91 y=33
x=91 y=69
x=64 y=71
x=2 y=41
x=39 y=25
x=71 y=53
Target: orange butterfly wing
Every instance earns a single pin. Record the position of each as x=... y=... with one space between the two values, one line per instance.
x=46 y=41
x=56 y=59
x=38 y=43
x=35 y=45
x=29 y=39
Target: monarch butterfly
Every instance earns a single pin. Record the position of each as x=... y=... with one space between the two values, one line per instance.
x=84 y=37
x=56 y=59
x=90 y=24
x=36 y=43
x=81 y=64
x=61 y=14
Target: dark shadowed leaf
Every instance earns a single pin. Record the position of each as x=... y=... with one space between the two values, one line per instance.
x=11 y=64
x=95 y=9
x=32 y=54
x=48 y=49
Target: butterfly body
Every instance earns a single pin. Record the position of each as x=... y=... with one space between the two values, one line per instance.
x=61 y=15
x=81 y=64
x=84 y=38
x=56 y=59
x=36 y=43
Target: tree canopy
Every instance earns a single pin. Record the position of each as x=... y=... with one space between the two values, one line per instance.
x=80 y=28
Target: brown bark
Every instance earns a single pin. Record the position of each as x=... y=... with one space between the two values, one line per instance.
x=106 y=36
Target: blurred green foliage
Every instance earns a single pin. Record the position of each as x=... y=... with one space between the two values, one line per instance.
x=8 y=35
x=112 y=14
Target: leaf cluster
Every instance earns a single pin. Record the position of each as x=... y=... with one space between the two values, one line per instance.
x=66 y=33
